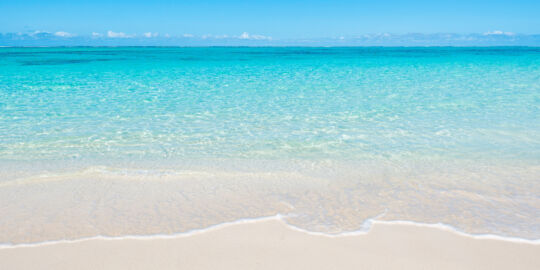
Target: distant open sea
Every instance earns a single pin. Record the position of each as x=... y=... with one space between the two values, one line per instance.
x=114 y=141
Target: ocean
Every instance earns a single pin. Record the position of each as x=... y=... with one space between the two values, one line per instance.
x=116 y=141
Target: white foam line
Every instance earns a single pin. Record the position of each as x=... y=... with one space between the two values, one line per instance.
x=438 y=226
x=448 y=228
x=366 y=228
x=146 y=237
x=368 y=225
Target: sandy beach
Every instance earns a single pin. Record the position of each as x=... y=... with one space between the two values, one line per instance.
x=271 y=244
x=253 y=135
x=268 y=157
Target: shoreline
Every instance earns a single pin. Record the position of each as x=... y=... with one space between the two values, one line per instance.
x=269 y=243
x=102 y=202
x=367 y=228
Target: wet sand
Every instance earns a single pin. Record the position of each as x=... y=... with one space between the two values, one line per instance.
x=271 y=244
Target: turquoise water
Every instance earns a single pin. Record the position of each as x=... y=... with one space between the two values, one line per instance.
x=452 y=120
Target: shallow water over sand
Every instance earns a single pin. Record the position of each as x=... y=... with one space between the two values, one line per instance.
x=117 y=141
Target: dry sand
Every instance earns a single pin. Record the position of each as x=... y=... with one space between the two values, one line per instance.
x=270 y=244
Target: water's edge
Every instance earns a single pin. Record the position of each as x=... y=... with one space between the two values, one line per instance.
x=368 y=224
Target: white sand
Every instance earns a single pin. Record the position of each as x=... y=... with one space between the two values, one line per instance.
x=271 y=244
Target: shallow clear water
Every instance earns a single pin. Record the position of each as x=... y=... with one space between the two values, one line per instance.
x=115 y=141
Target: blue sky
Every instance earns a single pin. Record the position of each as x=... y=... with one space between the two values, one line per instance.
x=266 y=19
